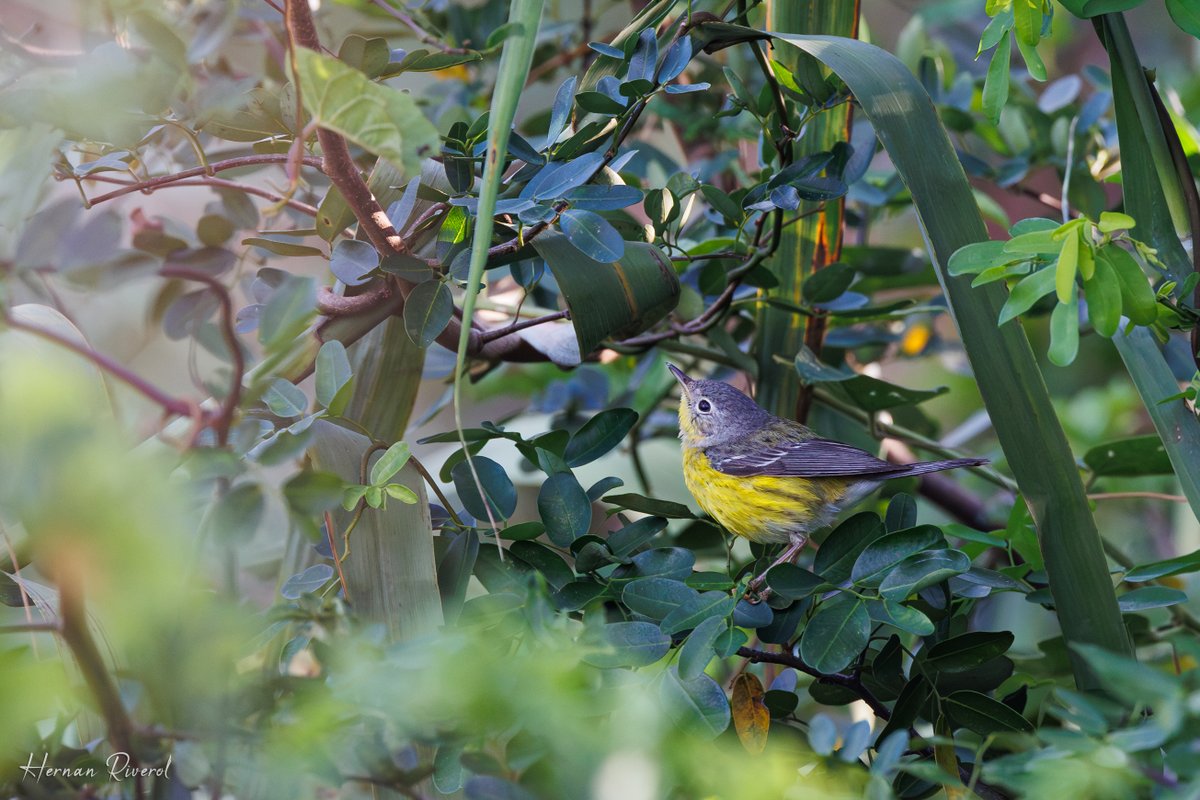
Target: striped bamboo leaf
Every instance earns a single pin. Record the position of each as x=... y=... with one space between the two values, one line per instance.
x=1013 y=389
x=814 y=240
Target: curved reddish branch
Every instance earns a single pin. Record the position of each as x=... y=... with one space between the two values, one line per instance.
x=151 y=184
x=238 y=359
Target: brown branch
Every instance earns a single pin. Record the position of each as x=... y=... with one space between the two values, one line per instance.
x=336 y=161
x=75 y=633
x=851 y=682
x=151 y=184
x=229 y=406
x=331 y=304
x=171 y=405
x=220 y=183
x=507 y=330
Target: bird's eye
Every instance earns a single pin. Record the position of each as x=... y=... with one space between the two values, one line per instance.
x=704 y=406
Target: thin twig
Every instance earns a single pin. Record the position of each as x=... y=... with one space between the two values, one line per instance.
x=508 y=330
x=851 y=682
x=220 y=183
x=229 y=332
x=171 y=405
x=1172 y=498
x=151 y=184
x=78 y=638
x=424 y=36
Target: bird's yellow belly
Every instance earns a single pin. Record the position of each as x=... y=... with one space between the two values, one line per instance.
x=762 y=508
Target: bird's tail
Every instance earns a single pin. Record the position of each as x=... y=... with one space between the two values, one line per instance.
x=923 y=467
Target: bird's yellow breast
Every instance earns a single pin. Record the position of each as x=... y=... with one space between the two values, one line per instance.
x=761 y=508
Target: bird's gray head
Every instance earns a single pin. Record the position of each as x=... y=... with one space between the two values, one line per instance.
x=712 y=412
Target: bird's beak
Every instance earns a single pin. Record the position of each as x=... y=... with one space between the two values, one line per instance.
x=680 y=376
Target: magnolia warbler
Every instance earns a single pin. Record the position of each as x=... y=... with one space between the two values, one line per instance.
x=770 y=479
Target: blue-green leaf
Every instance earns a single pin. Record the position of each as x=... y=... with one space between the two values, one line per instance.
x=592 y=235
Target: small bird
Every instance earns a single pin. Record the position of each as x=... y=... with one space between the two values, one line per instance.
x=770 y=479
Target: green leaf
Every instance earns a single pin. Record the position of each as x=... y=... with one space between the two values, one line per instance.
x=592 y=235
x=698 y=651
x=1068 y=265
x=812 y=370
x=1148 y=597
x=792 y=582
x=282 y=247
x=871 y=394
x=352 y=261
x=599 y=103
x=306 y=582
x=921 y=570
x=427 y=61
x=1094 y=8
x=497 y=487
x=698 y=705
x=1027 y=20
x=995 y=85
x=391 y=462
x=545 y=561
x=626 y=644
x=402 y=493
x=1103 y=293
x=900 y=616
x=369 y=56
x=656 y=597
x=334 y=377
x=1039 y=241
x=1173 y=420
x=1138 y=455
x=1064 y=332
x=564 y=508
x=1165 y=568
x=967 y=650
x=1115 y=221
x=288 y=312
x=634 y=535
x=614 y=300
x=836 y=634
x=661 y=562
x=235 y=516
x=427 y=312
x=828 y=283
x=1033 y=61
x=523 y=530
x=836 y=555
x=1186 y=15
x=285 y=399
x=722 y=204
x=312 y=492
x=599 y=435
x=650 y=505
x=901 y=513
x=978 y=712
x=1137 y=298
x=973 y=258
x=703 y=606
x=1028 y=291
x=887 y=551
x=377 y=118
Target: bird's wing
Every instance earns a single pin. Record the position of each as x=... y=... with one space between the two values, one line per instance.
x=809 y=458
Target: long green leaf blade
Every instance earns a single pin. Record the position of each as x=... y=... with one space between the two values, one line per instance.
x=1007 y=374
